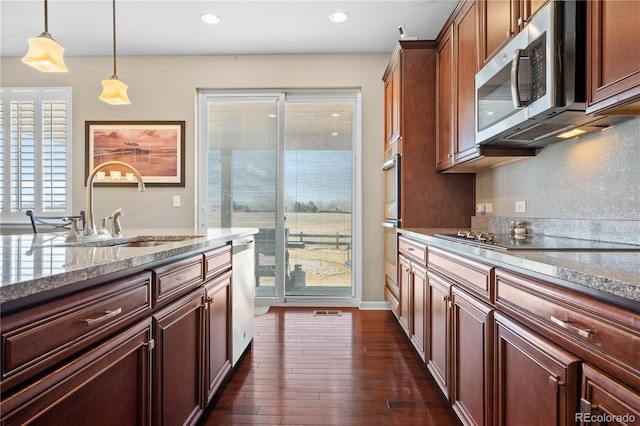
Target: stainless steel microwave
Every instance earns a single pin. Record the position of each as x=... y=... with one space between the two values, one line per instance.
x=534 y=88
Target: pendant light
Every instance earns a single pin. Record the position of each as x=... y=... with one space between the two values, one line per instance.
x=44 y=53
x=114 y=91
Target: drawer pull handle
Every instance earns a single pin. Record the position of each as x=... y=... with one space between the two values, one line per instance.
x=410 y=248
x=106 y=316
x=567 y=326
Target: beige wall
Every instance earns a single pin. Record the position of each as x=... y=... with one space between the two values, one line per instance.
x=164 y=88
x=596 y=176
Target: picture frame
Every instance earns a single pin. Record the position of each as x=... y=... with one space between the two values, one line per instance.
x=154 y=148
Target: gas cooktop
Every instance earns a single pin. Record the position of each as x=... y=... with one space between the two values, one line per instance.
x=534 y=242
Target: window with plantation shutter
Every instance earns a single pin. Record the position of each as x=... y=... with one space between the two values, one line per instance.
x=36 y=152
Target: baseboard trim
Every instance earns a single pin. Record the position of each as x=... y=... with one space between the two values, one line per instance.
x=374 y=306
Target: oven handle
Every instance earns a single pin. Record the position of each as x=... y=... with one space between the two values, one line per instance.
x=390 y=164
x=390 y=224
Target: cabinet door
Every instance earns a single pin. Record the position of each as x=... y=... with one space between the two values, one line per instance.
x=446 y=107
x=613 y=58
x=527 y=10
x=466 y=69
x=603 y=396
x=109 y=385
x=471 y=358
x=218 y=325
x=437 y=356
x=497 y=26
x=178 y=361
x=392 y=102
x=404 y=283
x=418 y=284
x=536 y=382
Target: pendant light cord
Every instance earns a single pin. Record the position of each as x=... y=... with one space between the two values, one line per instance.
x=114 y=40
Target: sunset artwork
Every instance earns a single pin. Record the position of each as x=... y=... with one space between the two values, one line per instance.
x=155 y=149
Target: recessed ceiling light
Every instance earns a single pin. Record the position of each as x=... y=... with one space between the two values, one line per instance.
x=210 y=19
x=335 y=114
x=335 y=134
x=338 y=17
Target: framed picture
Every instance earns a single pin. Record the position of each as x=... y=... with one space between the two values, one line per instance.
x=154 y=148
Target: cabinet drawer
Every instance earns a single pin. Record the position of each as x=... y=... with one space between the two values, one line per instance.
x=474 y=276
x=597 y=331
x=216 y=261
x=56 y=330
x=413 y=249
x=391 y=293
x=176 y=278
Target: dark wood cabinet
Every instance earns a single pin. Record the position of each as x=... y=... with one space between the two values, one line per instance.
x=501 y=20
x=438 y=330
x=471 y=358
x=178 y=361
x=606 y=401
x=426 y=196
x=507 y=349
x=418 y=306
x=613 y=58
x=458 y=63
x=107 y=385
x=392 y=103
x=536 y=381
x=404 y=283
x=217 y=330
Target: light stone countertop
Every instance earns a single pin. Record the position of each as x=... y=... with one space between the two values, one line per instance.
x=611 y=276
x=35 y=263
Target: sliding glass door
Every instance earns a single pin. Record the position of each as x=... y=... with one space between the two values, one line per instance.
x=283 y=163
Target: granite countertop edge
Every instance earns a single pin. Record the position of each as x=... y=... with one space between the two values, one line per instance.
x=105 y=260
x=562 y=268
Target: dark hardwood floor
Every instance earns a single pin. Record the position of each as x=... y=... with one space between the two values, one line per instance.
x=354 y=369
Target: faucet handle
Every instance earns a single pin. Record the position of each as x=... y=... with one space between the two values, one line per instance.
x=103 y=226
x=74 y=232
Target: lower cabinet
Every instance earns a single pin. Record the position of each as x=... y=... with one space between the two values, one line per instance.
x=606 y=401
x=506 y=349
x=535 y=380
x=108 y=385
x=218 y=331
x=471 y=358
x=177 y=363
x=438 y=324
x=404 y=285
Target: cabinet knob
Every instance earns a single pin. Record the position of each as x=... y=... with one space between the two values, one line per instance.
x=449 y=155
x=520 y=22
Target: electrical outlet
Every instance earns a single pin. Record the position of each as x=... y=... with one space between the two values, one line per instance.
x=488 y=207
x=480 y=208
x=176 y=201
x=521 y=206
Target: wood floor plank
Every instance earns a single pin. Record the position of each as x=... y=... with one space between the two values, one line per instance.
x=357 y=368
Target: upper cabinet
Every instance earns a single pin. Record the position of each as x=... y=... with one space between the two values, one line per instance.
x=392 y=103
x=613 y=58
x=501 y=20
x=425 y=195
x=458 y=63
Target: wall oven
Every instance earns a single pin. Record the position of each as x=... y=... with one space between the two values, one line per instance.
x=392 y=218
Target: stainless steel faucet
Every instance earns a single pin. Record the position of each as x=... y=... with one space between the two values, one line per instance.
x=90 y=226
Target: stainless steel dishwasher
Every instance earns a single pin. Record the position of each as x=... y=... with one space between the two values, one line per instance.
x=242 y=295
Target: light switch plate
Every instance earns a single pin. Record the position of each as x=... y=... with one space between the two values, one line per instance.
x=176 y=201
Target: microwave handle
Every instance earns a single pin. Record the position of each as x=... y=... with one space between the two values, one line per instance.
x=515 y=84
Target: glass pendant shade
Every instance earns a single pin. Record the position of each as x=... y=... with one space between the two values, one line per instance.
x=114 y=92
x=45 y=54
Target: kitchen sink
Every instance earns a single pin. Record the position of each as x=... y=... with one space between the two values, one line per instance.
x=141 y=244
x=139 y=241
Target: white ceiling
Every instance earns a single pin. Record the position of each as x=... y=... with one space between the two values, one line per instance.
x=174 y=27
